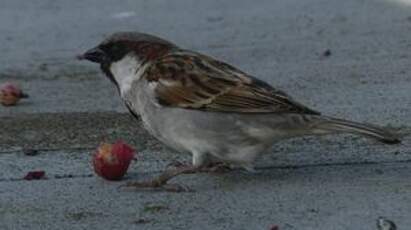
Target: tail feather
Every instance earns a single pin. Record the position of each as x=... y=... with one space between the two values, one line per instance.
x=328 y=124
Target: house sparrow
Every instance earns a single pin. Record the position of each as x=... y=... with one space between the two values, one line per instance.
x=197 y=104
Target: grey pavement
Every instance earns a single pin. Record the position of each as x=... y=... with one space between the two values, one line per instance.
x=323 y=183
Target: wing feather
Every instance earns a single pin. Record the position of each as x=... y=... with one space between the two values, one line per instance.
x=190 y=80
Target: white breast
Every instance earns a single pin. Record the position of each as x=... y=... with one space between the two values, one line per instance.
x=126 y=71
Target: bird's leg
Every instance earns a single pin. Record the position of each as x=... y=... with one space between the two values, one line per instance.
x=205 y=163
x=216 y=167
x=199 y=159
x=210 y=164
x=160 y=183
x=178 y=164
x=201 y=163
x=211 y=167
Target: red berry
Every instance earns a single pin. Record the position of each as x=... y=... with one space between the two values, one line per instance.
x=111 y=161
x=10 y=94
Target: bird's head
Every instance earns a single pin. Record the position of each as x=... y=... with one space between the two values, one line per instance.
x=126 y=51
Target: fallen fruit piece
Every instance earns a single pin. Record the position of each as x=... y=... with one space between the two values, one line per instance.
x=111 y=161
x=35 y=175
x=30 y=152
x=10 y=94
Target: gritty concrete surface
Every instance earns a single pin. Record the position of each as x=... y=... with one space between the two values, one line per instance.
x=345 y=58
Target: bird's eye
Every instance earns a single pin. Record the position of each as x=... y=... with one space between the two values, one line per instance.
x=114 y=51
x=144 y=49
x=115 y=48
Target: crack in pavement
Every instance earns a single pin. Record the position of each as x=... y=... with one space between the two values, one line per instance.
x=261 y=168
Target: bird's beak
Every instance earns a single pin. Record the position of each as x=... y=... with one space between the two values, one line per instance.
x=94 y=55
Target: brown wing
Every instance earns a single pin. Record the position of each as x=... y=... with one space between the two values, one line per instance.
x=194 y=81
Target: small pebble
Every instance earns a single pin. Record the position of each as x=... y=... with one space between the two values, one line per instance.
x=142 y=221
x=385 y=224
x=327 y=53
x=274 y=227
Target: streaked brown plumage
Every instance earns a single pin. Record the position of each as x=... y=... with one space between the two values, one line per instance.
x=194 y=81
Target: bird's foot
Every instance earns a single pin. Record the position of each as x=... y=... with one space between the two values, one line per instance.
x=151 y=186
x=178 y=164
x=216 y=167
x=160 y=183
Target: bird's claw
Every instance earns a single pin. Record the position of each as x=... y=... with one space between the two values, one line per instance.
x=176 y=188
x=218 y=167
x=177 y=164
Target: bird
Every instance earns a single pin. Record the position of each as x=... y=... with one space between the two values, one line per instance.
x=197 y=104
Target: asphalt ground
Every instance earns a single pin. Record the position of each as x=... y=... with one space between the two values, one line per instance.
x=349 y=59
